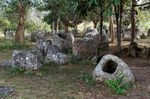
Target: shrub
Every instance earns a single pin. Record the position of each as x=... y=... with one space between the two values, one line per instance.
x=117 y=85
x=17 y=70
x=88 y=79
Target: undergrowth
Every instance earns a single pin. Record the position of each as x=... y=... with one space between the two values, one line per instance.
x=11 y=46
x=19 y=71
x=118 y=86
x=88 y=79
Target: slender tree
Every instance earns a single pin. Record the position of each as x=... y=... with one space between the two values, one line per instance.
x=21 y=7
x=133 y=21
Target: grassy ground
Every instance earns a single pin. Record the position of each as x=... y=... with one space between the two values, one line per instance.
x=63 y=81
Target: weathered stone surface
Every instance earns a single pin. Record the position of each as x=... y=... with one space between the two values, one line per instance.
x=40 y=55
x=54 y=55
x=26 y=59
x=143 y=36
x=39 y=35
x=105 y=40
x=94 y=34
x=58 y=58
x=9 y=34
x=94 y=60
x=110 y=67
x=63 y=41
x=127 y=34
x=43 y=44
x=6 y=63
x=146 y=52
x=91 y=32
x=5 y=91
x=56 y=40
x=84 y=48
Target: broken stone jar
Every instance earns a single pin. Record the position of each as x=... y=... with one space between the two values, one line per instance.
x=110 y=67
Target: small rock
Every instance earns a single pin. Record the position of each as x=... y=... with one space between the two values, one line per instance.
x=5 y=91
x=6 y=63
x=94 y=60
x=9 y=34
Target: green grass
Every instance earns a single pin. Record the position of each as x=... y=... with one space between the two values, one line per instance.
x=10 y=45
x=118 y=86
x=88 y=79
x=56 y=81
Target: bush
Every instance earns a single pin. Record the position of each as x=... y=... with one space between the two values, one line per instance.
x=17 y=70
x=88 y=79
x=118 y=86
x=74 y=60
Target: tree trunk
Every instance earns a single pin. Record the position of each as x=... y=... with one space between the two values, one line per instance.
x=132 y=22
x=100 y=35
x=111 y=29
x=57 y=27
x=19 y=36
x=76 y=28
x=53 y=27
x=66 y=28
x=120 y=24
x=117 y=23
x=95 y=24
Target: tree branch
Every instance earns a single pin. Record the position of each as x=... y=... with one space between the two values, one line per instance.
x=143 y=4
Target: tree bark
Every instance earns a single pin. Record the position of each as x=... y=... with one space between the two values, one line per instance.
x=100 y=35
x=53 y=27
x=19 y=36
x=66 y=28
x=117 y=23
x=95 y=24
x=111 y=29
x=132 y=22
x=76 y=28
x=120 y=24
x=57 y=27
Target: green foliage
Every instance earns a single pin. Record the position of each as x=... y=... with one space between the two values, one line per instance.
x=12 y=45
x=4 y=23
x=88 y=79
x=74 y=60
x=17 y=70
x=85 y=62
x=30 y=26
x=143 y=16
x=10 y=11
x=28 y=73
x=117 y=85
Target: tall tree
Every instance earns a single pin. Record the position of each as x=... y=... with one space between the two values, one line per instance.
x=118 y=6
x=21 y=7
x=133 y=21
